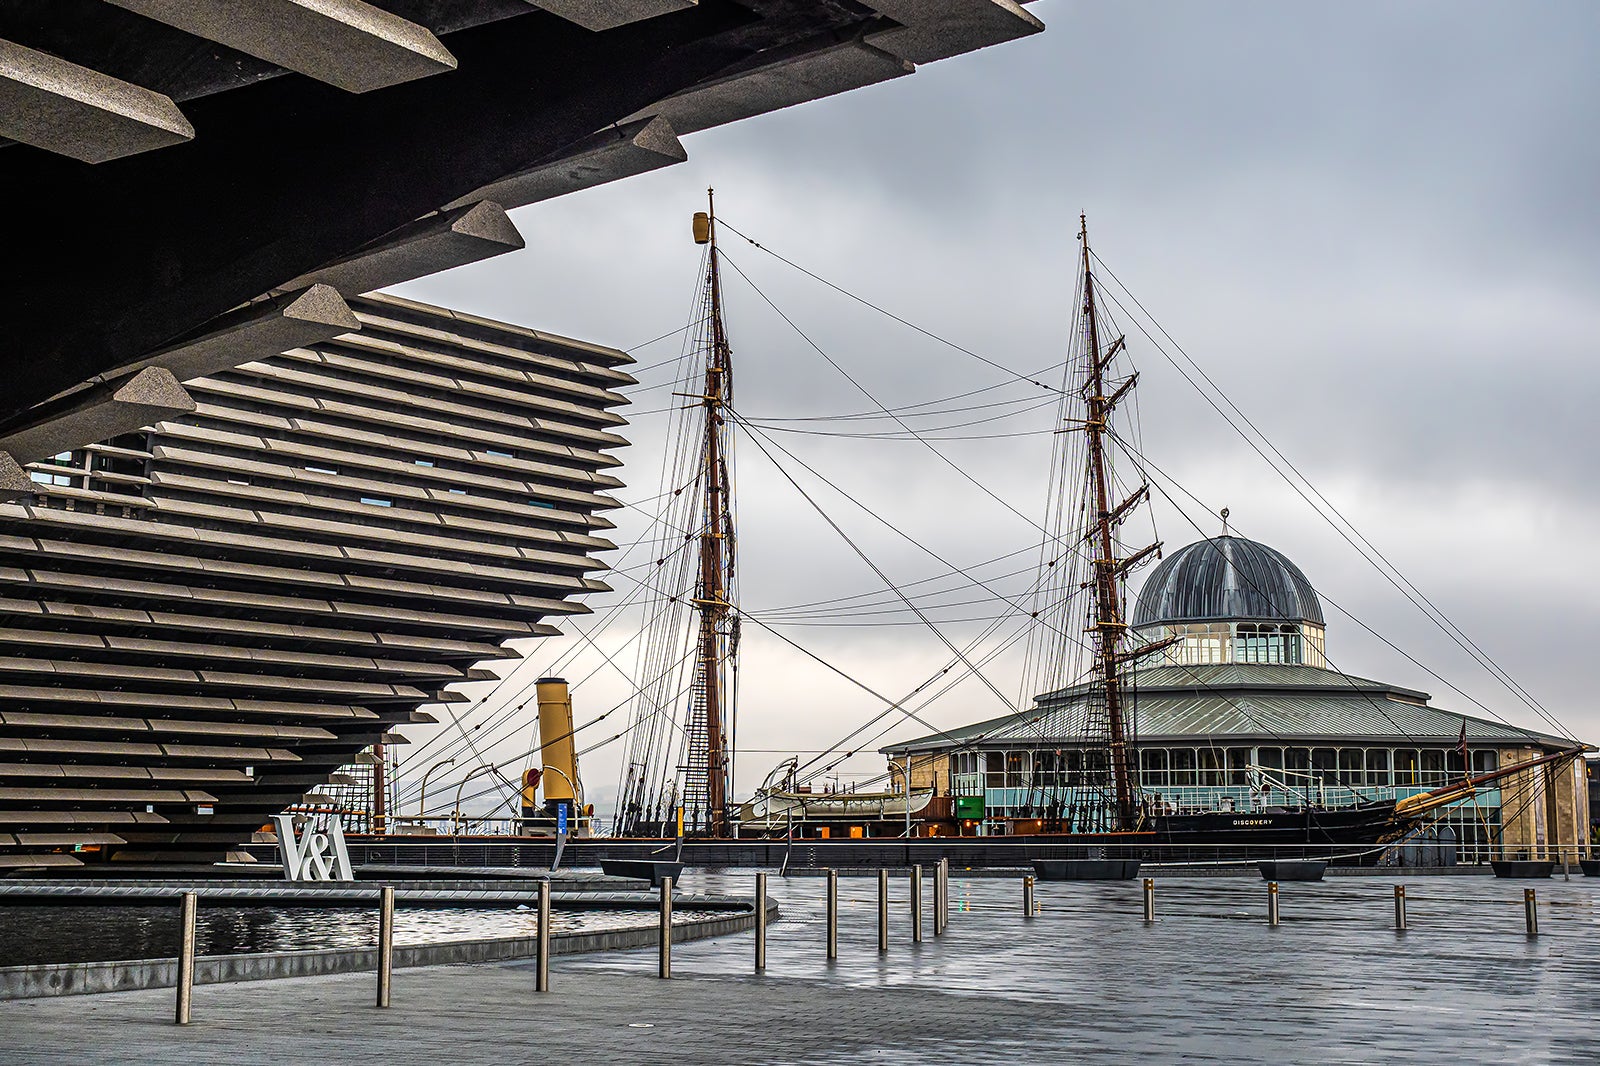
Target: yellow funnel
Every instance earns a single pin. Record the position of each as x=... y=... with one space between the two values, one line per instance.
x=555 y=737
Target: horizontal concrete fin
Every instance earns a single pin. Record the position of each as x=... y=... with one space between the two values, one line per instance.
x=937 y=29
x=97 y=414
x=14 y=481
x=74 y=111
x=346 y=43
x=601 y=15
x=80 y=818
x=623 y=151
x=256 y=331
x=778 y=80
x=438 y=242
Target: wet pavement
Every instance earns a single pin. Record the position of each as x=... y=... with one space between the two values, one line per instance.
x=1083 y=979
x=44 y=934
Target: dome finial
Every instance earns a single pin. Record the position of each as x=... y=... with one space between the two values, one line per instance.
x=1224 y=521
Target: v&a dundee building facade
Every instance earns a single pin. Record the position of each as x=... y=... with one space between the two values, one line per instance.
x=205 y=618
x=1243 y=713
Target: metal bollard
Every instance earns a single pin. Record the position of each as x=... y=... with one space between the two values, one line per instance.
x=186 y=915
x=1149 y=899
x=833 y=914
x=1399 y=908
x=941 y=897
x=385 y=943
x=761 y=922
x=1530 y=909
x=542 y=973
x=664 y=968
x=883 y=912
x=1272 y=903
x=1027 y=896
x=916 y=904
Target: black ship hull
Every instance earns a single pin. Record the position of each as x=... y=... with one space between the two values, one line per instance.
x=1351 y=835
x=1348 y=836
x=1340 y=828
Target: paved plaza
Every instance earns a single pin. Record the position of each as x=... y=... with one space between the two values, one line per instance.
x=1084 y=979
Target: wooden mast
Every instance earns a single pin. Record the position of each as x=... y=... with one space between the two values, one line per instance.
x=716 y=543
x=1109 y=626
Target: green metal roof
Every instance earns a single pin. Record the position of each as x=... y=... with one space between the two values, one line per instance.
x=1231 y=676
x=1245 y=702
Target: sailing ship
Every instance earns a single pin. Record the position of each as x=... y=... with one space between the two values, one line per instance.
x=1107 y=823
x=1106 y=812
x=677 y=778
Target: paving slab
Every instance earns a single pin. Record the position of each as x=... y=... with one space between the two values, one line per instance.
x=1084 y=979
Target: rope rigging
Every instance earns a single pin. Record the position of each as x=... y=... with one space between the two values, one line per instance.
x=1054 y=658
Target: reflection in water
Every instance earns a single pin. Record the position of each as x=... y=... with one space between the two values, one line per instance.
x=50 y=934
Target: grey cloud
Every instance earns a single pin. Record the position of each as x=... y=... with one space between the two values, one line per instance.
x=1374 y=225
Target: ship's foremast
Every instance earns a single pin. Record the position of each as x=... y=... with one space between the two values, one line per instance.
x=709 y=700
x=1108 y=623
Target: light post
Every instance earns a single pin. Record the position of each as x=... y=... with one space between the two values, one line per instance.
x=908 y=795
x=422 y=800
x=455 y=823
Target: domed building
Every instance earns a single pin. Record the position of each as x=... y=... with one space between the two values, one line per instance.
x=1243 y=712
x=1233 y=600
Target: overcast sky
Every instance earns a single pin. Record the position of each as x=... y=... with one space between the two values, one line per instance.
x=1373 y=225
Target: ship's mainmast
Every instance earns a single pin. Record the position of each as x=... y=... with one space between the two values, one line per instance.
x=714 y=645
x=1108 y=624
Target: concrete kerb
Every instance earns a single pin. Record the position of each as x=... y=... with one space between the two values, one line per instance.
x=80 y=978
x=593 y=893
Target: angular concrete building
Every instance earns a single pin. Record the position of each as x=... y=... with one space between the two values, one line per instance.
x=216 y=585
x=202 y=619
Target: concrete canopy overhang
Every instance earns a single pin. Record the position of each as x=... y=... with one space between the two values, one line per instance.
x=288 y=172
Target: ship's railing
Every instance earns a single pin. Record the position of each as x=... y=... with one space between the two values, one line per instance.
x=1279 y=781
x=469 y=825
x=1187 y=799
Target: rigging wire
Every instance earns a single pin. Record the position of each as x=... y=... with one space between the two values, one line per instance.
x=888 y=314
x=419 y=752
x=1075 y=543
x=1136 y=448
x=1138 y=431
x=1164 y=476
x=1364 y=548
